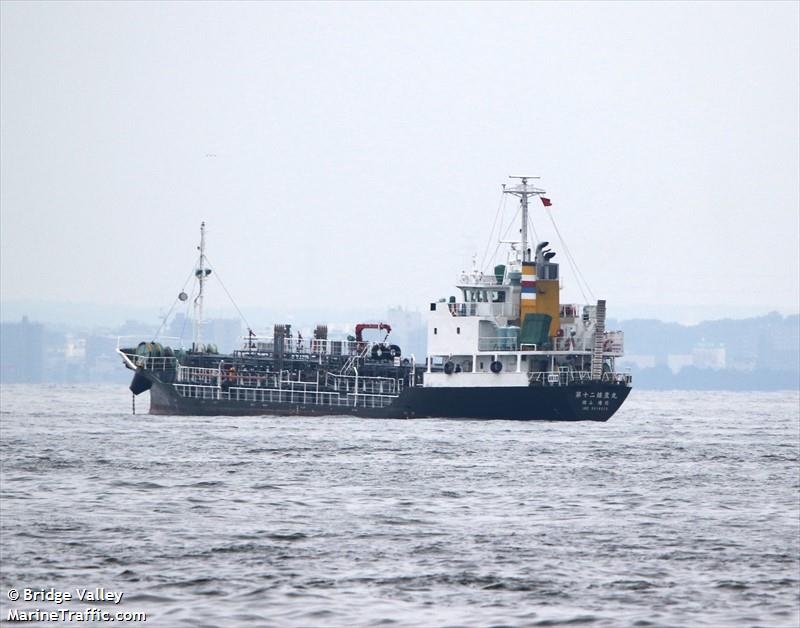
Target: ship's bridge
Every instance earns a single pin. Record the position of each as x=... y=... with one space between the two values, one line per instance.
x=485 y=294
x=490 y=300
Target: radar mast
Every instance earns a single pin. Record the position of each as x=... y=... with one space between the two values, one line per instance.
x=523 y=191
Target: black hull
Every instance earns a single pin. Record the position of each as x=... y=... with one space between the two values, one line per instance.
x=592 y=401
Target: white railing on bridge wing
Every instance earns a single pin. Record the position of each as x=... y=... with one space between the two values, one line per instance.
x=481 y=309
x=479 y=279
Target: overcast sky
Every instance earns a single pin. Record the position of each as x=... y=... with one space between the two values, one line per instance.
x=352 y=153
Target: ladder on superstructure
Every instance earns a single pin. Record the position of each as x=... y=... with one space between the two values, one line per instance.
x=354 y=358
x=599 y=338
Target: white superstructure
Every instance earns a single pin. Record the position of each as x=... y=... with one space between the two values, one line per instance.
x=508 y=327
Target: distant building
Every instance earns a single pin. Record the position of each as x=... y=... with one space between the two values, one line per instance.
x=677 y=361
x=703 y=356
x=100 y=348
x=778 y=343
x=226 y=333
x=639 y=361
x=409 y=331
x=75 y=349
x=708 y=356
x=180 y=331
x=102 y=362
x=21 y=352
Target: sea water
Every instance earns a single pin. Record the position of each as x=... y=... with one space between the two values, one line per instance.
x=682 y=510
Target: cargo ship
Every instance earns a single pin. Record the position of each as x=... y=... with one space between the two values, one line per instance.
x=505 y=348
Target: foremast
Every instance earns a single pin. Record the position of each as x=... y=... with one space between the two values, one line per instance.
x=201 y=273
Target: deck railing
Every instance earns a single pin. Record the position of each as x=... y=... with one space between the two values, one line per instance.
x=567 y=344
x=296 y=396
x=198 y=375
x=497 y=343
x=564 y=377
x=364 y=385
x=148 y=362
x=265 y=344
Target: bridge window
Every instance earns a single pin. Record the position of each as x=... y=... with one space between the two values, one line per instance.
x=435 y=331
x=458 y=330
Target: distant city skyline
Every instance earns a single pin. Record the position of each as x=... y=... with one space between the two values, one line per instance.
x=351 y=155
x=758 y=353
x=100 y=315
